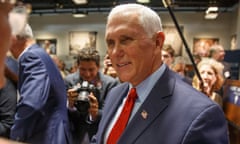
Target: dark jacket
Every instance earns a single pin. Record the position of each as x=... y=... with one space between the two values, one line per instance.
x=177 y=114
x=8 y=103
x=41 y=116
x=82 y=128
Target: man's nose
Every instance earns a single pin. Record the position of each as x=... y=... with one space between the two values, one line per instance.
x=117 y=50
x=87 y=73
x=204 y=75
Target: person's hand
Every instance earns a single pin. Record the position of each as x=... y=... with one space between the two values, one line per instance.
x=93 y=110
x=8 y=141
x=5 y=40
x=6 y=6
x=72 y=96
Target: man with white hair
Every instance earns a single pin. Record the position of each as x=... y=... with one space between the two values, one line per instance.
x=152 y=104
x=217 y=52
x=41 y=116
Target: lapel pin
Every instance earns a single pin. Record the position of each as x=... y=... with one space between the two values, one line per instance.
x=144 y=114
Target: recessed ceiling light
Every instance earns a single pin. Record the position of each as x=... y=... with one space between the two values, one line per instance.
x=211 y=16
x=211 y=13
x=80 y=1
x=143 y=1
x=212 y=9
x=79 y=15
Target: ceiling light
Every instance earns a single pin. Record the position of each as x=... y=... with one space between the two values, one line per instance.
x=211 y=13
x=79 y=15
x=212 y=9
x=143 y=1
x=211 y=16
x=80 y=1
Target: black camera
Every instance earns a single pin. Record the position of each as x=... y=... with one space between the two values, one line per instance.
x=82 y=101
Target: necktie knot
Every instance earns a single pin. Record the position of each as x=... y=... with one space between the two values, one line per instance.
x=132 y=94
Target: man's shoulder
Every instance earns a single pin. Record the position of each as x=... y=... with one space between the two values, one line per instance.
x=189 y=96
x=107 y=78
x=72 y=79
x=185 y=93
x=72 y=76
x=120 y=87
x=36 y=52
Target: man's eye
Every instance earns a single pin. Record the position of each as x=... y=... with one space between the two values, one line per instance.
x=126 y=40
x=110 y=44
x=81 y=69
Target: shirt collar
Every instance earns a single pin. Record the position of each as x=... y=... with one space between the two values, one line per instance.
x=144 y=88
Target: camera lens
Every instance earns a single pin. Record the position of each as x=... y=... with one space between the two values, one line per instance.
x=82 y=102
x=83 y=96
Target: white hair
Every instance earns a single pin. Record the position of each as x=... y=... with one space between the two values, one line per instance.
x=26 y=32
x=148 y=19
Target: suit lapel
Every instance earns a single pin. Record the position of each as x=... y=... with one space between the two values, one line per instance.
x=110 y=111
x=154 y=105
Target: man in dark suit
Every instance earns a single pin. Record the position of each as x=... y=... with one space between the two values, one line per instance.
x=41 y=116
x=167 y=110
x=85 y=120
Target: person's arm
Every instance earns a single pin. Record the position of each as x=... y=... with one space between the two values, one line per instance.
x=5 y=30
x=34 y=88
x=11 y=75
x=8 y=102
x=7 y=141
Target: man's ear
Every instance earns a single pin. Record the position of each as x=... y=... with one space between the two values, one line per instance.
x=160 y=37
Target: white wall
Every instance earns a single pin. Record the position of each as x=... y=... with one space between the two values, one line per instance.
x=58 y=26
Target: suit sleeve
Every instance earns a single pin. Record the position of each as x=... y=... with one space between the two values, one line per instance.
x=210 y=127
x=34 y=87
x=8 y=100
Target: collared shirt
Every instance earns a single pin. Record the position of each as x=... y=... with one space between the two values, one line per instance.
x=143 y=90
x=145 y=87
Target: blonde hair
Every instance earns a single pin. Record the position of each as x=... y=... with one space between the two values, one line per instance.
x=217 y=68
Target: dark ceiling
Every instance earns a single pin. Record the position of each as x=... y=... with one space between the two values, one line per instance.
x=67 y=6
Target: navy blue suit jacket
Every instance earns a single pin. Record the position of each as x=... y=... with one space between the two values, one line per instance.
x=176 y=114
x=41 y=115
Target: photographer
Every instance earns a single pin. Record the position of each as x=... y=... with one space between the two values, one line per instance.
x=85 y=114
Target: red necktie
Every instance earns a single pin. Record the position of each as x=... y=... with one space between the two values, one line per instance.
x=122 y=121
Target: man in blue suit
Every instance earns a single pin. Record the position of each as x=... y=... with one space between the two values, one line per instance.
x=41 y=116
x=167 y=110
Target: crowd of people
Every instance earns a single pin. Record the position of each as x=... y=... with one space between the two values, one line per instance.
x=142 y=88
